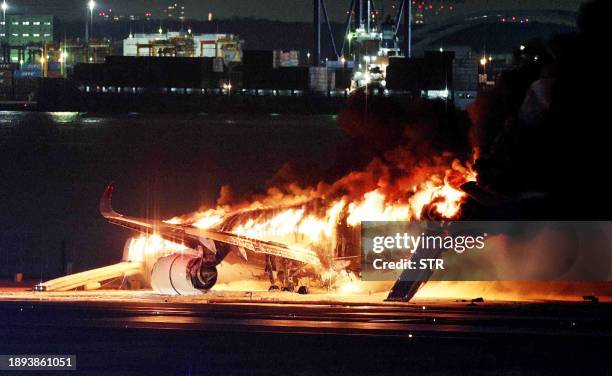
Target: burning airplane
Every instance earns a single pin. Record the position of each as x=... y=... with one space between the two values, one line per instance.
x=310 y=235
x=297 y=235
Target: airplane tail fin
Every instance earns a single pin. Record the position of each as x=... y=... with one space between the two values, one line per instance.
x=106 y=207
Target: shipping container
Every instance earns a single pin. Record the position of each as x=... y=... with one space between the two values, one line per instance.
x=322 y=79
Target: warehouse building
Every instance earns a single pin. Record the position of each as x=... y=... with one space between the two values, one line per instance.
x=181 y=44
x=23 y=37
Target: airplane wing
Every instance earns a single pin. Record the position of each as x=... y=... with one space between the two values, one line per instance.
x=194 y=237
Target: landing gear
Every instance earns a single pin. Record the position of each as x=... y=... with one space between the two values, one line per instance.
x=286 y=275
x=303 y=290
x=289 y=287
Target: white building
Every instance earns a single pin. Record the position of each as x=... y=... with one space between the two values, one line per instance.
x=226 y=46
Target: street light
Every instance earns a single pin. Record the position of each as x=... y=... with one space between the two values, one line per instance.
x=483 y=62
x=62 y=60
x=4 y=7
x=42 y=64
x=91 y=6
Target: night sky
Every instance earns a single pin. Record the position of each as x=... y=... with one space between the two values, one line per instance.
x=284 y=10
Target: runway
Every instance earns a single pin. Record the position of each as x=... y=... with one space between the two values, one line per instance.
x=235 y=336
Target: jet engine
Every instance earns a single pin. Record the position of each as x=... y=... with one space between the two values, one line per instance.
x=182 y=274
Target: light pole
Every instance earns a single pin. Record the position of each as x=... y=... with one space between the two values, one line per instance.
x=42 y=63
x=4 y=8
x=91 y=6
x=63 y=58
x=483 y=62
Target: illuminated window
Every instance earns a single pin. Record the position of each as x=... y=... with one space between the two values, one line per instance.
x=47 y=35
x=47 y=23
x=26 y=34
x=15 y=22
x=36 y=35
x=36 y=23
x=25 y=23
x=15 y=35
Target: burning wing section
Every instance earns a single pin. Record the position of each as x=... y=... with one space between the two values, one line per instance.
x=184 y=272
x=195 y=238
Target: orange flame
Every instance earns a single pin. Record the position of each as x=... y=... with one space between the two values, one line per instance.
x=299 y=224
x=293 y=220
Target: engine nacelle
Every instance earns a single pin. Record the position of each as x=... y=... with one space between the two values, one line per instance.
x=182 y=274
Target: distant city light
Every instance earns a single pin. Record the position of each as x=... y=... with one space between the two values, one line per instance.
x=4 y=6
x=483 y=61
x=91 y=5
x=522 y=47
x=210 y=16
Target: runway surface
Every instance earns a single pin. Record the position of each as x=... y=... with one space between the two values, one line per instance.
x=160 y=335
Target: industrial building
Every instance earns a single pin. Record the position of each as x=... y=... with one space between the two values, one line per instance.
x=184 y=44
x=23 y=37
x=444 y=74
x=374 y=56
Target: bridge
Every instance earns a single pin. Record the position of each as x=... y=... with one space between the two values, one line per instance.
x=426 y=35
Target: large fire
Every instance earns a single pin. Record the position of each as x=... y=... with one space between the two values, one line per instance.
x=312 y=217
x=410 y=176
x=437 y=196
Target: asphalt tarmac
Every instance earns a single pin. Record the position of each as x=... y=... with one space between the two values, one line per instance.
x=169 y=337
